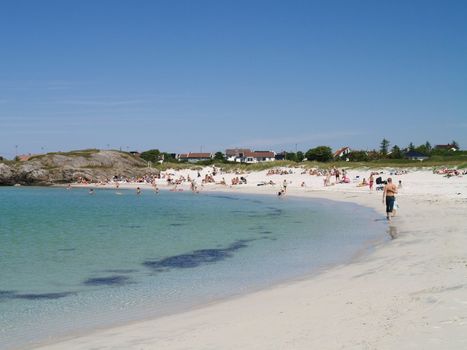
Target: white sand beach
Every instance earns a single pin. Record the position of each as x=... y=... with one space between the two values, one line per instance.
x=408 y=293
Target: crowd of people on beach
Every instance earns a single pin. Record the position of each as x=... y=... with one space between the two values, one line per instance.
x=208 y=178
x=279 y=172
x=450 y=172
x=176 y=180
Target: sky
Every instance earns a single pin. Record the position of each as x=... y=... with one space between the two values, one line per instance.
x=186 y=76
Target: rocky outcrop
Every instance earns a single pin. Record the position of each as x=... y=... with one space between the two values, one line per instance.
x=59 y=168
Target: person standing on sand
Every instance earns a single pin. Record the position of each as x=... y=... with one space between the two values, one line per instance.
x=372 y=180
x=389 y=193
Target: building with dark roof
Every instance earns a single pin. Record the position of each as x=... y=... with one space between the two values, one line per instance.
x=414 y=155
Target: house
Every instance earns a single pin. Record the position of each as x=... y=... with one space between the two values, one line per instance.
x=414 y=155
x=341 y=152
x=236 y=154
x=259 y=156
x=448 y=147
x=194 y=157
x=245 y=155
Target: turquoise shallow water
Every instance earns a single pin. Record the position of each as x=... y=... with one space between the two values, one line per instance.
x=71 y=261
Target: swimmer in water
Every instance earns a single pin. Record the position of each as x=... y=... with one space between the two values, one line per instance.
x=91 y=191
x=138 y=190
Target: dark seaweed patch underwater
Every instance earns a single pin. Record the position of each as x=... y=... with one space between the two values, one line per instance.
x=197 y=257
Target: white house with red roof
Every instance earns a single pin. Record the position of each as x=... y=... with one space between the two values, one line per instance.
x=245 y=155
x=341 y=152
x=448 y=147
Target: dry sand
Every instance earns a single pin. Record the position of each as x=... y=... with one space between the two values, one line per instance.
x=410 y=293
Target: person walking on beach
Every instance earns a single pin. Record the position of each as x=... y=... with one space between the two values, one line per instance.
x=337 y=174
x=389 y=193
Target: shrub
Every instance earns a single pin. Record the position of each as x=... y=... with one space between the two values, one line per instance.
x=320 y=154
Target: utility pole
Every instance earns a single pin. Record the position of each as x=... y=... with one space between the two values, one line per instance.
x=16 y=150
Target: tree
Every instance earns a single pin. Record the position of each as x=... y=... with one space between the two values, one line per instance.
x=219 y=156
x=358 y=156
x=300 y=156
x=373 y=155
x=428 y=147
x=396 y=153
x=423 y=149
x=151 y=156
x=411 y=147
x=384 y=147
x=320 y=153
x=455 y=144
x=291 y=156
x=168 y=157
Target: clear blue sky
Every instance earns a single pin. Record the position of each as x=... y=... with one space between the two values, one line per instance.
x=181 y=75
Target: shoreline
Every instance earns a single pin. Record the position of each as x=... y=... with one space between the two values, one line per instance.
x=365 y=249
x=378 y=322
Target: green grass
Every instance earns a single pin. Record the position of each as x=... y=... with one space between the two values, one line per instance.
x=176 y=166
x=376 y=164
x=87 y=153
x=8 y=162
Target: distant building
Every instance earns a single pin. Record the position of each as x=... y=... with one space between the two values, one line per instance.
x=245 y=155
x=236 y=154
x=414 y=155
x=448 y=147
x=342 y=152
x=281 y=156
x=135 y=153
x=259 y=156
x=194 y=157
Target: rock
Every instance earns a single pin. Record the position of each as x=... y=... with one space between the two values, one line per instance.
x=6 y=174
x=59 y=168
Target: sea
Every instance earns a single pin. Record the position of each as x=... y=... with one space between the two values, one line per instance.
x=72 y=262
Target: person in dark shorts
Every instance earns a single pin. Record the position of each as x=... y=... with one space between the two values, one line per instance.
x=389 y=193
